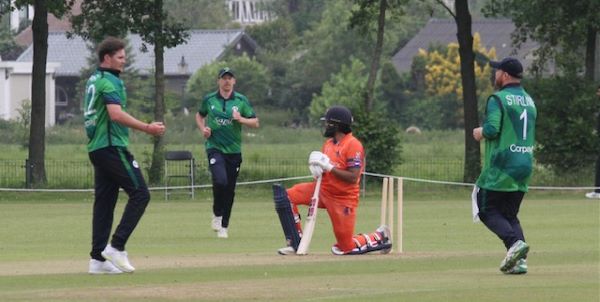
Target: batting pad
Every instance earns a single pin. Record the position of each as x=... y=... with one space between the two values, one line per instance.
x=286 y=216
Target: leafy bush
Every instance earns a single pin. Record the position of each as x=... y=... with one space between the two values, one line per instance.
x=344 y=88
x=381 y=139
x=435 y=112
x=24 y=123
x=375 y=129
x=566 y=123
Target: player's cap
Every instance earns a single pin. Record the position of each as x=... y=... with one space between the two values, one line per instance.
x=225 y=71
x=338 y=114
x=510 y=65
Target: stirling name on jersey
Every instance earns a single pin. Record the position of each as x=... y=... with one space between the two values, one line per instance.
x=509 y=131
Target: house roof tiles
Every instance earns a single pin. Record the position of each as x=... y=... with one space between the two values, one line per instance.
x=202 y=47
x=493 y=32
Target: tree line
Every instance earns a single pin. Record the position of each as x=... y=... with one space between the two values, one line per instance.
x=316 y=53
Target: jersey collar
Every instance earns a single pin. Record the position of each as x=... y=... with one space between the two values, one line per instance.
x=113 y=71
x=231 y=96
x=510 y=85
x=345 y=138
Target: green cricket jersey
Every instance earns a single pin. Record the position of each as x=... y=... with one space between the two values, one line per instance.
x=104 y=87
x=226 y=134
x=509 y=131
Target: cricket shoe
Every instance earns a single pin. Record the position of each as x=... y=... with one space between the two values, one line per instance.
x=517 y=251
x=288 y=250
x=98 y=267
x=592 y=195
x=216 y=223
x=222 y=233
x=386 y=241
x=336 y=250
x=519 y=268
x=118 y=258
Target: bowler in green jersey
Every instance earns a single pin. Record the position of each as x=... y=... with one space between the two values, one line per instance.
x=107 y=126
x=220 y=118
x=509 y=134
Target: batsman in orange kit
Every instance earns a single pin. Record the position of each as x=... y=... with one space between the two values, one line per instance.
x=340 y=163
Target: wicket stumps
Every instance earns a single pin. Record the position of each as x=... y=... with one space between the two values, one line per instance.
x=387 y=211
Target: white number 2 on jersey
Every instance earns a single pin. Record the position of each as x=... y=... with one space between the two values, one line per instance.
x=91 y=91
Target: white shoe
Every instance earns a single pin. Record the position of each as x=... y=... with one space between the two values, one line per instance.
x=592 y=195
x=222 y=233
x=216 y=223
x=118 y=258
x=103 y=267
x=288 y=250
x=386 y=241
x=336 y=250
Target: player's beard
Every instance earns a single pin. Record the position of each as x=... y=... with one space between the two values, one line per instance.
x=497 y=84
x=330 y=131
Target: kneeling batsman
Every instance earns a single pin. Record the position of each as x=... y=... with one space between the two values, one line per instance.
x=337 y=169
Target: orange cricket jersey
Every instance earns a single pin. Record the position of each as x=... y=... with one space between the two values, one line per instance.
x=345 y=154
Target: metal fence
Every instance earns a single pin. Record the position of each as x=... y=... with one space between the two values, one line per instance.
x=67 y=174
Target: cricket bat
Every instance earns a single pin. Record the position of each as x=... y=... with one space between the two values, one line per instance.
x=311 y=220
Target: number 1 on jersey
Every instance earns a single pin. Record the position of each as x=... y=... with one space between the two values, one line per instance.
x=524 y=118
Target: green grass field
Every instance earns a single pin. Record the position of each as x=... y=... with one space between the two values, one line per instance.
x=45 y=238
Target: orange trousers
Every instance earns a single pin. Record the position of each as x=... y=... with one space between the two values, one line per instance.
x=342 y=217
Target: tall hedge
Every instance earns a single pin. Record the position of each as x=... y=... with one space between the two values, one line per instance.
x=566 y=133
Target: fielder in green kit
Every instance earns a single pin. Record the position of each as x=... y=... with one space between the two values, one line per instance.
x=107 y=126
x=220 y=118
x=509 y=133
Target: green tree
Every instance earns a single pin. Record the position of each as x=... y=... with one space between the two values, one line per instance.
x=443 y=80
x=37 y=130
x=273 y=37
x=396 y=92
x=252 y=80
x=344 y=88
x=9 y=50
x=566 y=31
x=565 y=130
x=321 y=52
x=462 y=17
x=277 y=40
x=200 y=14
x=303 y=53
x=361 y=18
x=149 y=19
x=303 y=14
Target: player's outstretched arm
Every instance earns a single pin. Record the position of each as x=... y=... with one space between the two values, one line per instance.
x=117 y=115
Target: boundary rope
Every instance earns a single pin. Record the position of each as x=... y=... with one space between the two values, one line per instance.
x=472 y=184
x=296 y=178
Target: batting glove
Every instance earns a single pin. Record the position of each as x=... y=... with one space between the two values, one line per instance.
x=315 y=170
x=320 y=159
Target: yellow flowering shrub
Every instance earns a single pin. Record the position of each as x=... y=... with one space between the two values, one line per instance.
x=442 y=71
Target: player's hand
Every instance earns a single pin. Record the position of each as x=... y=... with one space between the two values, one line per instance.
x=478 y=133
x=155 y=128
x=235 y=115
x=315 y=170
x=206 y=132
x=320 y=159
